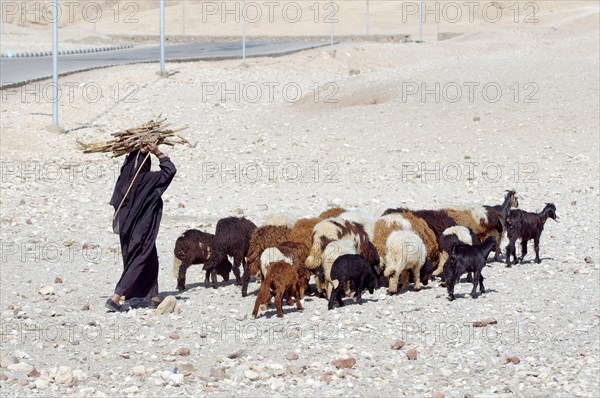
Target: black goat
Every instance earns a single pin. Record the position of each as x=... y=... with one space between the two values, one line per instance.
x=526 y=226
x=354 y=268
x=467 y=258
x=232 y=237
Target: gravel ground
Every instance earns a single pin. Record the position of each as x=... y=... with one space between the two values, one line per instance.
x=376 y=146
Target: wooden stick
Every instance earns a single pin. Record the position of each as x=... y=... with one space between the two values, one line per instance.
x=130 y=185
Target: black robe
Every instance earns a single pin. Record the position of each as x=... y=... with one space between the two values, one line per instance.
x=138 y=221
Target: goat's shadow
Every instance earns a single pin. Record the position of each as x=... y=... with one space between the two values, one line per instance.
x=349 y=302
x=466 y=295
x=532 y=261
x=198 y=285
x=502 y=260
x=272 y=311
x=405 y=290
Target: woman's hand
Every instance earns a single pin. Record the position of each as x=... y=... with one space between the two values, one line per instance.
x=154 y=149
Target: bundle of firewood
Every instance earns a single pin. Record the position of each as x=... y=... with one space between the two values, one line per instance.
x=136 y=138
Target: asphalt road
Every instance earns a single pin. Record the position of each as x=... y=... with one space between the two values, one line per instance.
x=16 y=71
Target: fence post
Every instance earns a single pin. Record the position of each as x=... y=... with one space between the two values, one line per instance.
x=162 y=38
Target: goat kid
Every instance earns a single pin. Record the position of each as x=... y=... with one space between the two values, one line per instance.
x=467 y=258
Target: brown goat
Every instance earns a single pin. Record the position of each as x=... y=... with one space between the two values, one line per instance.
x=282 y=278
x=331 y=213
x=302 y=230
x=290 y=252
x=297 y=251
x=262 y=238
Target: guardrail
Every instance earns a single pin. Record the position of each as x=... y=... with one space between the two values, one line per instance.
x=65 y=52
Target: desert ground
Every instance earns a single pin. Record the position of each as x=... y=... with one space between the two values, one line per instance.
x=376 y=125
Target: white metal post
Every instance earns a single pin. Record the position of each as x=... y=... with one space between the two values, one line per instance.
x=421 y=21
x=55 y=65
x=244 y=32
x=2 y=18
x=162 y=37
x=183 y=17
x=331 y=33
x=367 y=20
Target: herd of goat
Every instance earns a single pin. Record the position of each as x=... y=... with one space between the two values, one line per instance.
x=352 y=251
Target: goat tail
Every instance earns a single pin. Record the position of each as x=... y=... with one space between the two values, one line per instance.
x=315 y=258
x=176 y=266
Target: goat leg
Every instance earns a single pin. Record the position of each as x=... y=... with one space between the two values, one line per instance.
x=523 y=250
x=321 y=287
x=339 y=296
x=245 y=280
x=417 y=283
x=359 y=288
x=450 y=286
x=404 y=279
x=441 y=261
x=278 y=303
x=207 y=279
x=347 y=290
x=536 y=247
x=328 y=289
x=510 y=251
x=469 y=277
x=297 y=297
x=497 y=251
x=393 y=283
x=481 y=288
x=236 y=272
x=332 y=299
x=181 y=277
x=264 y=296
x=213 y=275
x=475 y=283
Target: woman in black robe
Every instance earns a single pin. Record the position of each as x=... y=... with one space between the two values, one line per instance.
x=137 y=222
